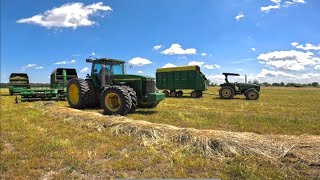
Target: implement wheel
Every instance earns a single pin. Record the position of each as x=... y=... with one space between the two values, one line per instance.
x=252 y=94
x=78 y=93
x=199 y=93
x=194 y=94
x=115 y=100
x=226 y=92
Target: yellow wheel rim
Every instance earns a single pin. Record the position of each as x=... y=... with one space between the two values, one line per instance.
x=112 y=102
x=73 y=94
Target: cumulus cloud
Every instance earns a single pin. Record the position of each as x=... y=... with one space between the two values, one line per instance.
x=306 y=47
x=138 y=61
x=288 y=60
x=169 y=65
x=157 y=47
x=278 y=4
x=203 y=54
x=269 y=73
x=65 y=62
x=239 y=16
x=195 y=63
x=212 y=66
x=140 y=72
x=84 y=70
x=177 y=49
x=253 y=49
x=70 y=15
x=311 y=76
x=317 y=67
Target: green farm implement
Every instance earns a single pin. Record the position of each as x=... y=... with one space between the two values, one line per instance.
x=176 y=79
x=57 y=90
x=229 y=90
x=110 y=88
x=18 y=82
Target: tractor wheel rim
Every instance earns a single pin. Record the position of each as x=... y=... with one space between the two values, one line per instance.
x=112 y=102
x=252 y=95
x=74 y=94
x=226 y=92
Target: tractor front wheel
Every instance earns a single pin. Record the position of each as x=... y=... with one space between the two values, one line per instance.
x=78 y=93
x=115 y=100
x=252 y=94
x=226 y=92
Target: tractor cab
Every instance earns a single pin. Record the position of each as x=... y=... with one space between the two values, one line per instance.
x=103 y=70
x=229 y=89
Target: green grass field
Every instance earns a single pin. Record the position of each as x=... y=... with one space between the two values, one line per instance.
x=35 y=144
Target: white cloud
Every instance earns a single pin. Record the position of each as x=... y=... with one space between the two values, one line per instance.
x=84 y=70
x=65 y=62
x=196 y=63
x=288 y=60
x=93 y=53
x=253 y=49
x=177 y=49
x=217 y=78
x=294 y=44
x=213 y=66
x=138 y=61
x=140 y=72
x=268 y=8
x=310 y=76
x=157 y=47
x=317 y=67
x=308 y=47
x=276 y=1
x=203 y=54
x=39 y=67
x=269 y=73
x=169 y=65
x=239 y=16
x=70 y=15
x=28 y=66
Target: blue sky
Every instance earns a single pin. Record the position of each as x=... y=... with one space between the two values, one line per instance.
x=269 y=40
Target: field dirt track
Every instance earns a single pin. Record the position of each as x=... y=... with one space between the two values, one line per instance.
x=296 y=148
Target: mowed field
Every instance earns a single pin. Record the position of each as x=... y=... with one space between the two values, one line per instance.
x=36 y=143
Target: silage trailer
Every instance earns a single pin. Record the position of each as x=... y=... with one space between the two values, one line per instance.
x=174 y=80
x=18 y=82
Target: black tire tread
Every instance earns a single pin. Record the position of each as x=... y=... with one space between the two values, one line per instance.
x=84 y=93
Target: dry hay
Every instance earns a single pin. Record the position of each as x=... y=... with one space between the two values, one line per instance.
x=303 y=148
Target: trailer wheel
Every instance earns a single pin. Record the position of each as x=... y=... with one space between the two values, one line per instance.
x=226 y=92
x=252 y=94
x=166 y=93
x=194 y=94
x=173 y=93
x=115 y=100
x=134 y=98
x=179 y=93
x=93 y=94
x=199 y=93
x=78 y=93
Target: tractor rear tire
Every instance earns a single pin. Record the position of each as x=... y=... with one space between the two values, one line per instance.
x=173 y=93
x=78 y=93
x=93 y=95
x=179 y=93
x=166 y=93
x=226 y=92
x=252 y=94
x=134 y=98
x=115 y=100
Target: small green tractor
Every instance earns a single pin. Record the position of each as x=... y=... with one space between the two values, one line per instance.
x=229 y=90
x=110 y=88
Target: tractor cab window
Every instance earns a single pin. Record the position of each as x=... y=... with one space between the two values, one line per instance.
x=96 y=69
x=117 y=69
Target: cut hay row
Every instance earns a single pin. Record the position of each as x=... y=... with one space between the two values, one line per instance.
x=304 y=148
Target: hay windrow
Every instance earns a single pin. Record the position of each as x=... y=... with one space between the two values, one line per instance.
x=305 y=148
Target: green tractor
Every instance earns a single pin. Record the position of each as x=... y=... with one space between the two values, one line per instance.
x=229 y=90
x=114 y=91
